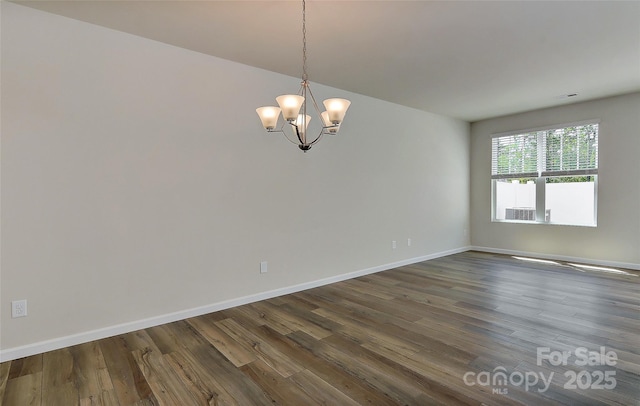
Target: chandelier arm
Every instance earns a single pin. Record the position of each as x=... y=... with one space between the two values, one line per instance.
x=317 y=138
x=315 y=104
x=327 y=130
x=299 y=134
x=286 y=136
x=284 y=133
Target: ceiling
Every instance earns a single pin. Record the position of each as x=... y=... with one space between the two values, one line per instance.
x=466 y=59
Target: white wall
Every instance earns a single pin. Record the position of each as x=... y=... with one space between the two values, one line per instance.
x=616 y=239
x=137 y=182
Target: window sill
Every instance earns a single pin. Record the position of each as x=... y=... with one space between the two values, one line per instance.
x=543 y=223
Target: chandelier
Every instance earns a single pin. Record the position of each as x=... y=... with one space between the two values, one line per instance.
x=294 y=108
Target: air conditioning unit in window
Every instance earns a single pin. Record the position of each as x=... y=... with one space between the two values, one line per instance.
x=525 y=213
x=520 y=213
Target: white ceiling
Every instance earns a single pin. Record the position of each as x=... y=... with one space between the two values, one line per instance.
x=466 y=59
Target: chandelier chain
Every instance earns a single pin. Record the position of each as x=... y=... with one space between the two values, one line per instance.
x=304 y=42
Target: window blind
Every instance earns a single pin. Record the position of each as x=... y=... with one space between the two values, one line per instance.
x=567 y=151
x=571 y=151
x=515 y=156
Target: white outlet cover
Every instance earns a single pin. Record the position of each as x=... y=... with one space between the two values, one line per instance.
x=263 y=267
x=18 y=308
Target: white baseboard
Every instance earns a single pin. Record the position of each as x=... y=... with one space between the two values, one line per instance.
x=565 y=258
x=84 y=337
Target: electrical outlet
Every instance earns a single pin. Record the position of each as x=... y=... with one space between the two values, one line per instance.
x=393 y=244
x=263 y=267
x=18 y=308
x=408 y=242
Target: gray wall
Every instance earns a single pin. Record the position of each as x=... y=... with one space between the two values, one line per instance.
x=616 y=239
x=137 y=182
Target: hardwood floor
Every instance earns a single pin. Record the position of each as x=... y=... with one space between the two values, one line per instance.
x=430 y=333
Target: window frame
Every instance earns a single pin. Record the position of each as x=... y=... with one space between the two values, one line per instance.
x=542 y=175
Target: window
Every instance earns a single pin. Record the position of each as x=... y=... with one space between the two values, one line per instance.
x=546 y=175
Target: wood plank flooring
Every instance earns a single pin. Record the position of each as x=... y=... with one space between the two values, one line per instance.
x=437 y=332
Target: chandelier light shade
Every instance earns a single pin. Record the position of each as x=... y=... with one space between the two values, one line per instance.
x=294 y=108
x=301 y=123
x=337 y=108
x=269 y=116
x=290 y=105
